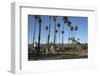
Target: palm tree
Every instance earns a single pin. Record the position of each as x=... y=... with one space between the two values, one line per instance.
x=78 y=40
x=75 y=28
x=46 y=28
x=59 y=32
x=62 y=32
x=69 y=26
x=55 y=19
x=72 y=29
x=39 y=36
x=34 y=29
x=49 y=31
x=56 y=31
x=66 y=20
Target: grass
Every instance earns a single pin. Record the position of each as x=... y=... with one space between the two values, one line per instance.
x=72 y=54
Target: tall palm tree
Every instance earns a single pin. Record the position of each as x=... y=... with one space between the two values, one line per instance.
x=69 y=26
x=72 y=29
x=75 y=28
x=65 y=21
x=49 y=31
x=55 y=30
x=49 y=26
x=39 y=36
x=62 y=32
x=59 y=32
x=34 y=29
x=46 y=28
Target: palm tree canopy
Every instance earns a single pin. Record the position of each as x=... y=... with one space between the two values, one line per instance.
x=58 y=25
x=62 y=32
x=77 y=39
x=46 y=27
x=69 y=23
x=76 y=27
x=72 y=28
x=36 y=16
x=65 y=19
x=56 y=30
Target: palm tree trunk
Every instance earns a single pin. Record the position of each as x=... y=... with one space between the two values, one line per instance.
x=39 y=37
x=59 y=37
x=49 y=31
x=74 y=34
x=34 y=33
x=46 y=37
x=54 y=33
x=62 y=35
x=62 y=40
x=69 y=35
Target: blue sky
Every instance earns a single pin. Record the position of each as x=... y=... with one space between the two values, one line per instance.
x=81 y=33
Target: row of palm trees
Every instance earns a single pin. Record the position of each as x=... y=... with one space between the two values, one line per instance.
x=71 y=28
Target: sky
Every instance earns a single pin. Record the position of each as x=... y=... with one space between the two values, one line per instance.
x=81 y=33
